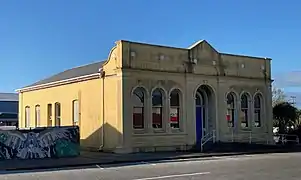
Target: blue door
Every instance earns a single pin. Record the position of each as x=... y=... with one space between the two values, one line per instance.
x=199 y=128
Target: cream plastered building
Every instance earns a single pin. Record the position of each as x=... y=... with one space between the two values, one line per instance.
x=147 y=97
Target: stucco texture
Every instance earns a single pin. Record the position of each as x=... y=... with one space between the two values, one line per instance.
x=106 y=106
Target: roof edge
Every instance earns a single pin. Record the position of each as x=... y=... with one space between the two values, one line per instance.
x=196 y=43
x=247 y=56
x=10 y=100
x=61 y=82
x=149 y=44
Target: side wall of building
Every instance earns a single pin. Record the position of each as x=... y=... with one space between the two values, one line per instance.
x=87 y=93
x=112 y=85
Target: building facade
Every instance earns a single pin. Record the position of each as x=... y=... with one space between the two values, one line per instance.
x=8 y=109
x=148 y=97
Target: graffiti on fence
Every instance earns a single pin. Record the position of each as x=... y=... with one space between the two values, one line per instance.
x=50 y=142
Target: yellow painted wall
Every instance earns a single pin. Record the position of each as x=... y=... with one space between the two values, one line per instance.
x=95 y=97
x=133 y=64
x=90 y=104
x=113 y=126
x=113 y=100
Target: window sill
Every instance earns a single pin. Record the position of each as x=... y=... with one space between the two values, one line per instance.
x=176 y=130
x=159 y=130
x=139 y=131
x=246 y=129
x=260 y=127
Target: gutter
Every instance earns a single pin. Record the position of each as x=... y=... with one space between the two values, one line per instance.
x=61 y=82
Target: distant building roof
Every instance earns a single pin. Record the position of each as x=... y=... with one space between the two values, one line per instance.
x=71 y=73
x=9 y=97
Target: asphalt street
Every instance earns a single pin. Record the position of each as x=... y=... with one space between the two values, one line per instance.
x=246 y=167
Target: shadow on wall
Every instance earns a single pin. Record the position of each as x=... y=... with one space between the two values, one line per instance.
x=38 y=143
x=94 y=142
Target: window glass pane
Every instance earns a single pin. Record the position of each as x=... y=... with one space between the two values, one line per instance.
x=157 y=117
x=230 y=116
x=198 y=101
x=174 y=109
x=174 y=98
x=257 y=101
x=57 y=109
x=49 y=113
x=257 y=118
x=75 y=112
x=57 y=114
x=139 y=94
x=244 y=118
x=203 y=98
x=9 y=106
x=174 y=117
x=27 y=116
x=244 y=115
x=157 y=98
x=157 y=102
x=138 y=108
x=37 y=116
x=8 y=116
x=230 y=100
x=137 y=101
x=138 y=117
x=244 y=101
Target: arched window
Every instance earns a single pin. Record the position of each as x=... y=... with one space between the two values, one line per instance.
x=257 y=110
x=244 y=102
x=231 y=106
x=27 y=117
x=138 y=98
x=174 y=109
x=37 y=116
x=75 y=112
x=157 y=109
x=57 y=113
x=49 y=114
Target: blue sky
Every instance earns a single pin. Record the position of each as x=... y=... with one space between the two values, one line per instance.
x=39 y=38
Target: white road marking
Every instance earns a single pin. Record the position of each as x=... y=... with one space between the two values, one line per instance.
x=174 y=176
x=99 y=166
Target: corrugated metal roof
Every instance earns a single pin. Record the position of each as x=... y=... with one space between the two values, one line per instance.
x=71 y=73
x=9 y=97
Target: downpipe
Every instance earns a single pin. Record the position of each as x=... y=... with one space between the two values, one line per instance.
x=102 y=76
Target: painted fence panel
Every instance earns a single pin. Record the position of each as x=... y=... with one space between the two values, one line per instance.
x=48 y=142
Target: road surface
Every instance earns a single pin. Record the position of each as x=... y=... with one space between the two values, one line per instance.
x=248 y=167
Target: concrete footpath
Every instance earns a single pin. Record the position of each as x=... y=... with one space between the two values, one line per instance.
x=99 y=158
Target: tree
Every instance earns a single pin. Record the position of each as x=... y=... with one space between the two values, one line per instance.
x=285 y=114
x=298 y=120
x=278 y=96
